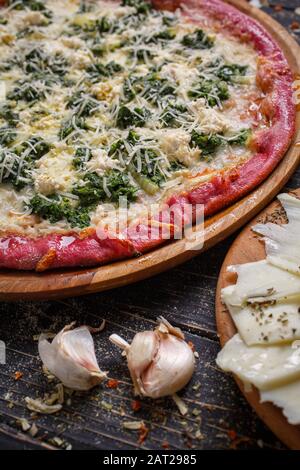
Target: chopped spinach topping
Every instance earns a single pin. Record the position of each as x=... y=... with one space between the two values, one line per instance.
x=231 y=72
x=83 y=104
x=27 y=91
x=119 y=185
x=142 y=7
x=198 y=40
x=38 y=61
x=70 y=125
x=16 y=165
x=91 y=192
x=55 y=208
x=7 y=135
x=81 y=157
x=11 y=117
x=9 y=166
x=214 y=91
x=208 y=143
x=85 y=6
x=241 y=138
x=110 y=187
x=35 y=148
x=170 y=117
x=34 y=5
x=136 y=117
x=151 y=87
x=168 y=19
x=79 y=217
x=175 y=165
x=25 y=32
x=132 y=138
x=98 y=49
x=162 y=36
x=104 y=25
x=142 y=55
x=98 y=71
x=146 y=163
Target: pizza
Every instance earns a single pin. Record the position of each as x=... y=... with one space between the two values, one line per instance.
x=109 y=107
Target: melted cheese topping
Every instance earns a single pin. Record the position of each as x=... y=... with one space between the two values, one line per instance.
x=114 y=90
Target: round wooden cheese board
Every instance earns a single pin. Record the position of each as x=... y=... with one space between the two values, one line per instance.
x=248 y=248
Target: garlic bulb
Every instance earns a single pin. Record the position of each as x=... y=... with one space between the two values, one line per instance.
x=160 y=362
x=71 y=357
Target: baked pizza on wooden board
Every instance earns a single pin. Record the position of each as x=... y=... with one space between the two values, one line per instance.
x=249 y=248
x=164 y=104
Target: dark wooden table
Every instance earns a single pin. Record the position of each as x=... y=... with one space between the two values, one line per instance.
x=218 y=418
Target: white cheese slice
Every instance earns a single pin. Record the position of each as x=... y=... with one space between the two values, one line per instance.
x=286 y=397
x=263 y=366
x=282 y=241
x=260 y=281
x=266 y=323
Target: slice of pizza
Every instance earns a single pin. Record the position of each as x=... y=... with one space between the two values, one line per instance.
x=109 y=109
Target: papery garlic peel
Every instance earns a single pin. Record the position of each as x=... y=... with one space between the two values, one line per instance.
x=160 y=362
x=71 y=357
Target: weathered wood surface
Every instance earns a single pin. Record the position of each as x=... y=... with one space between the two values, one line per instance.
x=185 y=295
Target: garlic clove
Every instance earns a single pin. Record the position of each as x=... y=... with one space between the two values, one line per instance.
x=71 y=358
x=79 y=345
x=140 y=356
x=160 y=362
x=171 y=369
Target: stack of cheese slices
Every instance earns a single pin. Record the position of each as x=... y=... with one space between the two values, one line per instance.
x=265 y=307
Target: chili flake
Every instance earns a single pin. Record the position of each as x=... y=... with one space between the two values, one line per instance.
x=112 y=383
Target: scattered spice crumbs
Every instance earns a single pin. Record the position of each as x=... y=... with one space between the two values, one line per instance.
x=235 y=440
x=234 y=445
x=113 y=383
x=143 y=433
x=232 y=434
x=295 y=25
x=106 y=406
x=23 y=424
x=136 y=405
x=59 y=442
x=18 y=375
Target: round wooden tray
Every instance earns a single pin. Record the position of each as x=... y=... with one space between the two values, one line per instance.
x=247 y=248
x=16 y=285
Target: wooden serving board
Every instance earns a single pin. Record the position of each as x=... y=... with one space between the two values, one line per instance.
x=248 y=248
x=16 y=285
